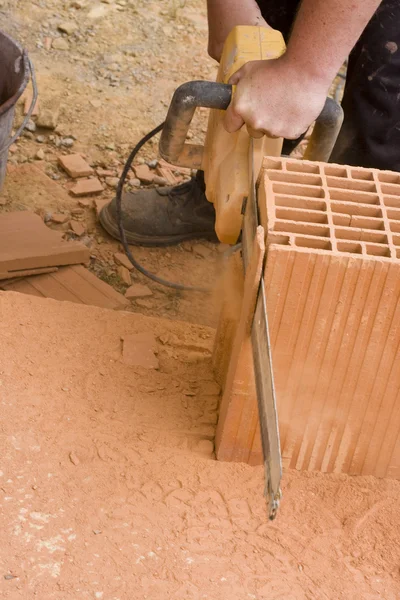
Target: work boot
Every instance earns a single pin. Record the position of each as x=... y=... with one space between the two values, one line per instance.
x=163 y=216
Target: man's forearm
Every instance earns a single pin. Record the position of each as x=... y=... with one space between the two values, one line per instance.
x=324 y=33
x=224 y=15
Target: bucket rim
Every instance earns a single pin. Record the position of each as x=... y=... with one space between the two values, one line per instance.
x=5 y=107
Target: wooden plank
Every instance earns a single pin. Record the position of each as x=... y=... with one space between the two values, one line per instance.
x=72 y=284
x=238 y=419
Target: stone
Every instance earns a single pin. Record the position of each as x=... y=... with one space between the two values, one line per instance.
x=60 y=44
x=124 y=275
x=59 y=218
x=161 y=181
x=40 y=154
x=144 y=174
x=87 y=187
x=137 y=290
x=48 y=117
x=67 y=142
x=135 y=182
x=68 y=27
x=30 y=126
x=112 y=182
x=77 y=227
x=139 y=350
x=74 y=459
x=75 y=165
x=121 y=259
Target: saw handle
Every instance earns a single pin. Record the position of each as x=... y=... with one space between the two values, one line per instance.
x=189 y=96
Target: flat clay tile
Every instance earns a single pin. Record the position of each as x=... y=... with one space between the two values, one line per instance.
x=87 y=187
x=75 y=165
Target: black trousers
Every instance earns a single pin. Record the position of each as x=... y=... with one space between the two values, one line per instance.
x=370 y=135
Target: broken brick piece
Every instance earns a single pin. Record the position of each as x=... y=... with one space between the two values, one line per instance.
x=86 y=187
x=28 y=97
x=77 y=227
x=124 y=274
x=85 y=202
x=121 y=259
x=105 y=173
x=144 y=174
x=75 y=165
x=99 y=204
x=139 y=350
x=167 y=174
x=137 y=290
x=59 y=218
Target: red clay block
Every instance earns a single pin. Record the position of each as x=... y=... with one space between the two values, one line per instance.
x=138 y=291
x=28 y=97
x=139 y=350
x=75 y=165
x=77 y=227
x=87 y=187
x=121 y=259
x=144 y=174
x=333 y=296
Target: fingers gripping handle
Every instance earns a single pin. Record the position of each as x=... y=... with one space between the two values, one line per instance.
x=188 y=97
x=207 y=94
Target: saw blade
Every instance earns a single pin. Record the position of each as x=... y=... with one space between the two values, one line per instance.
x=262 y=358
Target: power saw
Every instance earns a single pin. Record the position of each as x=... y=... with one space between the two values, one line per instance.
x=231 y=165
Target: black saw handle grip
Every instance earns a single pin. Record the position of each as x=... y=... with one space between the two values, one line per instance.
x=208 y=94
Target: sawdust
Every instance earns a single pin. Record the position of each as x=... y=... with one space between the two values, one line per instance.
x=108 y=489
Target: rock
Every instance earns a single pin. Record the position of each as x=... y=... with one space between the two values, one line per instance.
x=135 y=182
x=40 y=154
x=161 y=181
x=105 y=172
x=60 y=44
x=74 y=459
x=67 y=142
x=48 y=117
x=68 y=27
x=138 y=290
x=87 y=187
x=124 y=274
x=144 y=173
x=202 y=250
x=30 y=126
x=40 y=139
x=122 y=259
x=112 y=182
x=75 y=165
x=153 y=163
x=205 y=447
x=97 y=12
x=77 y=227
x=59 y=218
x=139 y=350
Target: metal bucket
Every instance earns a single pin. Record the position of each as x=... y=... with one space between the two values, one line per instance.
x=15 y=70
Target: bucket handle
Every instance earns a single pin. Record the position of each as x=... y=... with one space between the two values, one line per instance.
x=30 y=111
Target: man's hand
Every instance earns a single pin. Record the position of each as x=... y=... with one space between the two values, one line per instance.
x=275 y=99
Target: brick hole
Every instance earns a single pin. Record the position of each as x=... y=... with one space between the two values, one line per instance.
x=313 y=242
x=397 y=252
x=342 y=220
x=294 y=202
x=303 y=167
x=393 y=213
x=362 y=174
x=335 y=171
x=298 y=190
x=307 y=216
x=304 y=228
x=300 y=178
x=351 y=184
x=391 y=201
x=362 y=235
x=388 y=177
x=394 y=190
x=273 y=163
x=394 y=226
x=350 y=247
x=365 y=223
x=276 y=238
x=376 y=250
x=352 y=196
x=396 y=240
x=351 y=208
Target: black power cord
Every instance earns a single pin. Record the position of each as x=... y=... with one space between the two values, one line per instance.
x=118 y=203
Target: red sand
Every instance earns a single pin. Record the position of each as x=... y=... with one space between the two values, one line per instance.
x=107 y=490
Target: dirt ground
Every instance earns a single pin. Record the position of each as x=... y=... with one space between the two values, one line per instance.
x=108 y=484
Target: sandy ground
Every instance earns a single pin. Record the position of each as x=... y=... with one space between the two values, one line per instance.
x=108 y=486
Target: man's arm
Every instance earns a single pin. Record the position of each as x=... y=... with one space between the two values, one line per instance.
x=283 y=97
x=224 y=15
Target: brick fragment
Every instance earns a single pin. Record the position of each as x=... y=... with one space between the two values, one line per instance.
x=77 y=227
x=139 y=350
x=87 y=187
x=124 y=274
x=28 y=97
x=144 y=174
x=59 y=218
x=105 y=172
x=75 y=165
x=122 y=259
x=138 y=290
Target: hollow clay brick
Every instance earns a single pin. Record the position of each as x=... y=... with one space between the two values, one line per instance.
x=333 y=296
x=75 y=165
